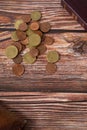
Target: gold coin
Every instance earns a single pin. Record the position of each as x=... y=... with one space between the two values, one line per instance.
x=29 y=32
x=29 y=46
x=17 y=23
x=35 y=15
x=34 y=40
x=52 y=56
x=11 y=51
x=14 y=36
x=28 y=58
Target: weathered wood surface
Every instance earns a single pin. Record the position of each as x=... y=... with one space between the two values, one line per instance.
x=45 y=110
x=72 y=68
x=49 y=111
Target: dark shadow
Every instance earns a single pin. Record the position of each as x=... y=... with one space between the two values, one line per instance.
x=26 y=122
x=51 y=31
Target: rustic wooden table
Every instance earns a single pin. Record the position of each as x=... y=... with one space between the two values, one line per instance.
x=48 y=102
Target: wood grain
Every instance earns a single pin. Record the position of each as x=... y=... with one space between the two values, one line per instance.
x=49 y=111
x=48 y=102
x=71 y=74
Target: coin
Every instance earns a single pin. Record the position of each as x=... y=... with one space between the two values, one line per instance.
x=21 y=35
x=39 y=33
x=45 y=27
x=34 y=52
x=34 y=26
x=18 y=59
x=51 y=68
x=23 y=27
x=29 y=46
x=23 y=47
x=17 y=23
x=29 y=32
x=11 y=51
x=25 y=41
x=36 y=15
x=26 y=18
x=14 y=36
x=34 y=40
x=28 y=58
x=18 y=45
x=18 y=69
x=48 y=40
x=42 y=49
x=52 y=56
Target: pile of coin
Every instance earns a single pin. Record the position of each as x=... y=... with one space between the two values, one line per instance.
x=30 y=35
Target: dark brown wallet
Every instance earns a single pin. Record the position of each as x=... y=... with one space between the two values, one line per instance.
x=9 y=121
x=78 y=8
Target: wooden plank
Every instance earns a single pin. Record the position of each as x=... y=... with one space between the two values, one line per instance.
x=49 y=111
x=71 y=74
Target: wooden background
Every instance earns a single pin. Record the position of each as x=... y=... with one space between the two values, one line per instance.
x=48 y=102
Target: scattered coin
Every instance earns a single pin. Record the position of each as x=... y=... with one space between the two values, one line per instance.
x=51 y=68
x=11 y=51
x=18 y=59
x=29 y=42
x=34 y=40
x=14 y=36
x=34 y=26
x=42 y=49
x=26 y=18
x=18 y=45
x=29 y=32
x=34 y=52
x=35 y=15
x=28 y=58
x=23 y=47
x=23 y=27
x=17 y=23
x=45 y=27
x=21 y=35
x=48 y=40
x=18 y=69
x=52 y=56
x=29 y=46
x=39 y=33
x=25 y=42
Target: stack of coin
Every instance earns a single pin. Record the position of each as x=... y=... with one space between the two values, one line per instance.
x=30 y=33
